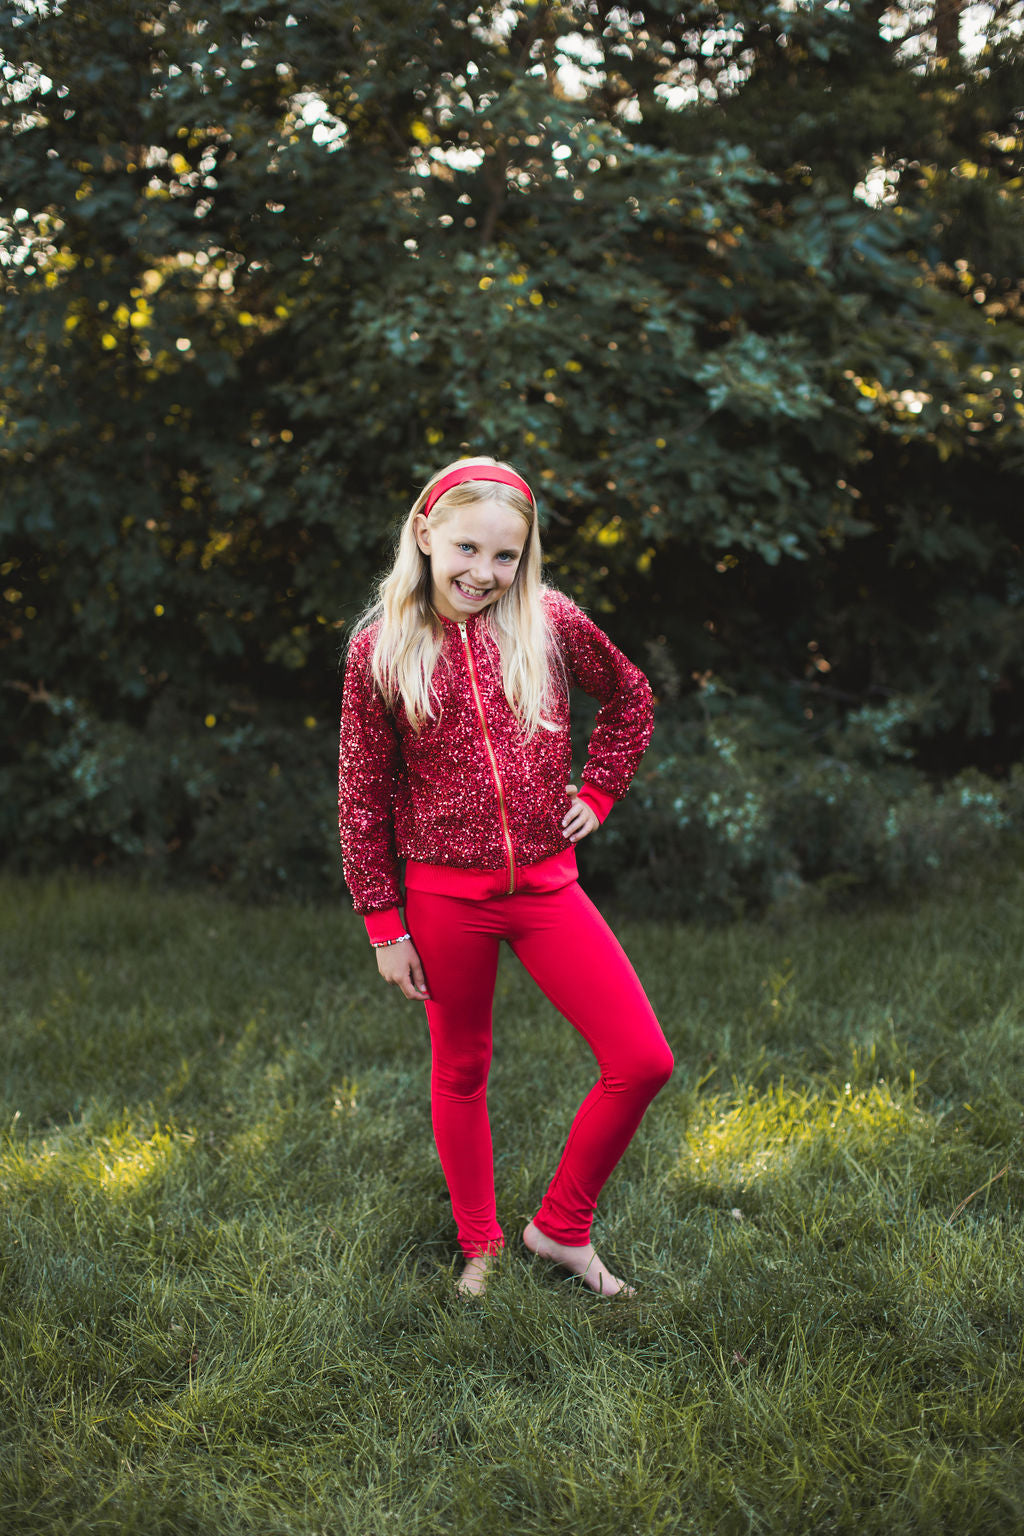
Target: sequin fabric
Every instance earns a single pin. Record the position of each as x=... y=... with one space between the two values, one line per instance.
x=441 y=797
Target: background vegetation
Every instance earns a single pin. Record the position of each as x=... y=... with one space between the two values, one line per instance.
x=226 y=1251
x=739 y=289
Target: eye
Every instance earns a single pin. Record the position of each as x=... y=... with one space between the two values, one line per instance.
x=506 y=554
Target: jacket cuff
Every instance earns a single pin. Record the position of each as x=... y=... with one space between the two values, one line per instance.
x=599 y=802
x=384 y=926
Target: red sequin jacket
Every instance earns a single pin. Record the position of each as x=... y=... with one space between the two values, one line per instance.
x=473 y=807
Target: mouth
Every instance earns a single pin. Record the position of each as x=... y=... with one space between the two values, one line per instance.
x=474 y=594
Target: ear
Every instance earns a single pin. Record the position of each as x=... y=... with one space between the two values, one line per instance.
x=421 y=530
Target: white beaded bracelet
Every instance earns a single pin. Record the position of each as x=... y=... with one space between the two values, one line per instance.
x=386 y=943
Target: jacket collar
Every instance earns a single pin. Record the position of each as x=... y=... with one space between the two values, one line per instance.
x=470 y=621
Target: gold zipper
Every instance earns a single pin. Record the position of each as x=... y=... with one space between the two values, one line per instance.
x=494 y=764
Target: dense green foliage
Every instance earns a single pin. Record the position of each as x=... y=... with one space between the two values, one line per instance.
x=226 y=1291
x=738 y=289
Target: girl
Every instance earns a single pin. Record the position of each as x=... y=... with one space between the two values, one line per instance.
x=455 y=754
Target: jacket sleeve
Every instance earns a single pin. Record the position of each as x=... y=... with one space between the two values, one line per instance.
x=369 y=762
x=625 y=721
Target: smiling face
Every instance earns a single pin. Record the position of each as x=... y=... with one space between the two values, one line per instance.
x=474 y=555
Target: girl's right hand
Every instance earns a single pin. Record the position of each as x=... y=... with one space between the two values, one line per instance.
x=400 y=966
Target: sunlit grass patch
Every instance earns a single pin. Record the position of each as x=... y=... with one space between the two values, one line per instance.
x=782 y=1133
x=122 y=1161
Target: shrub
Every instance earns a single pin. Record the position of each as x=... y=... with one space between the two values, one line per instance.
x=247 y=801
x=730 y=813
x=734 y=814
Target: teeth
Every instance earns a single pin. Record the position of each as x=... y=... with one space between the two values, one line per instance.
x=471 y=591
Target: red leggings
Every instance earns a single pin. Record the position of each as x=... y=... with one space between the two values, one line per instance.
x=580 y=966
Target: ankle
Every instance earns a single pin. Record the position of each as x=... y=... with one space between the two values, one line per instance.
x=475 y=1272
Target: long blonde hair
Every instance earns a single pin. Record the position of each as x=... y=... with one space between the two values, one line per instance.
x=411 y=635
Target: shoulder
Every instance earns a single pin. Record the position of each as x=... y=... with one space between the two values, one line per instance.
x=565 y=616
x=559 y=608
x=358 y=654
x=362 y=641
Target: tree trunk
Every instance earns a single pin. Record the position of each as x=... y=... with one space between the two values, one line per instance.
x=947 y=30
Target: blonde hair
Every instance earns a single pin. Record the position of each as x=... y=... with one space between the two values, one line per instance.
x=411 y=635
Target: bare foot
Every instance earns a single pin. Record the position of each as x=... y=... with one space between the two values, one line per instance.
x=579 y=1261
x=473 y=1280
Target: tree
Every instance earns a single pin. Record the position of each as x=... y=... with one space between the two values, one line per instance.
x=724 y=284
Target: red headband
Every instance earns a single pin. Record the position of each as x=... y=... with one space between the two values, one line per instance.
x=476 y=472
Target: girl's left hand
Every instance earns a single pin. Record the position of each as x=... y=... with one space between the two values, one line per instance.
x=579 y=821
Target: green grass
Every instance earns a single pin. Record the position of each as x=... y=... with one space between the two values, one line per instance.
x=227 y=1255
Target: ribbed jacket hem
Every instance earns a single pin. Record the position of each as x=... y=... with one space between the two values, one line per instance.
x=481 y=884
